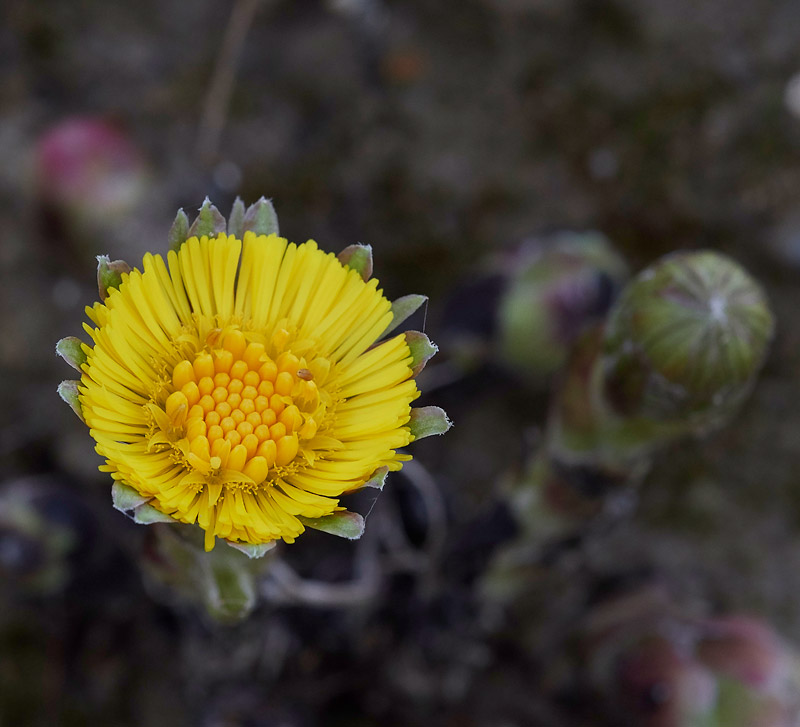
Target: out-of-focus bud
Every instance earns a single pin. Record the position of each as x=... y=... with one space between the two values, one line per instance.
x=659 y=685
x=38 y=533
x=747 y=650
x=680 y=349
x=222 y=581
x=557 y=286
x=658 y=667
x=685 y=340
x=89 y=170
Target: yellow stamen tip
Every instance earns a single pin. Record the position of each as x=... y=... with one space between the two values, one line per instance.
x=268 y=450
x=223 y=360
x=280 y=338
x=308 y=430
x=288 y=447
x=182 y=374
x=190 y=390
x=284 y=383
x=257 y=469
x=235 y=342
x=203 y=365
x=177 y=406
x=252 y=355
x=237 y=458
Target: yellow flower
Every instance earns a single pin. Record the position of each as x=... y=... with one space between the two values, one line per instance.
x=239 y=385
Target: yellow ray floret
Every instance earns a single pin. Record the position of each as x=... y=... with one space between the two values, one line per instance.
x=239 y=385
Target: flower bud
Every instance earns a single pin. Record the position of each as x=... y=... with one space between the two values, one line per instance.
x=88 y=169
x=261 y=218
x=660 y=685
x=41 y=527
x=222 y=582
x=557 y=287
x=71 y=350
x=109 y=274
x=747 y=650
x=209 y=221
x=359 y=258
x=179 y=231
x=658 y=667
x=685 y=340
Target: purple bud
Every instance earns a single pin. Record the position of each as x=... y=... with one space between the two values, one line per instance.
x=88 y=168
x=745 y=649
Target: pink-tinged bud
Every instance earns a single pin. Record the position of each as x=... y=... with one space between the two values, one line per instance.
x=655 y=666
x=659 y=686
x=745 y=649
x=89 y=169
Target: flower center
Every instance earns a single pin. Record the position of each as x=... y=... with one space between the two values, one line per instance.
x=236 y=411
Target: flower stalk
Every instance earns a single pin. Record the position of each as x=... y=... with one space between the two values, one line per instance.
x=222 y=582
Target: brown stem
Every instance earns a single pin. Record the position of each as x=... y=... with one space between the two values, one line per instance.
x=217 y=100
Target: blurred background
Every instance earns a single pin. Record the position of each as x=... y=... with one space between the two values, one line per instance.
x=446 y=135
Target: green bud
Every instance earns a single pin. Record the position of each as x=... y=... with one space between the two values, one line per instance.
x=252 y=551
x=359 y=258
x=428 y=420
x=209 y=222
x=146 y=514
x=68 y=391
x=686 y=339
x=71 y=350
x=125 y=498
x=109 y=274
x=422 y=350
x=378 y=478
x=179 y=231
x=556 y=288
x=403 y=308
x=261 y=218
x=236 y=219
x=345 y=524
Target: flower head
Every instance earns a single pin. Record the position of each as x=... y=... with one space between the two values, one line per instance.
x=243 y=385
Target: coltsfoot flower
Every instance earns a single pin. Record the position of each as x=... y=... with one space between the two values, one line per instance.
x=245 y=384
